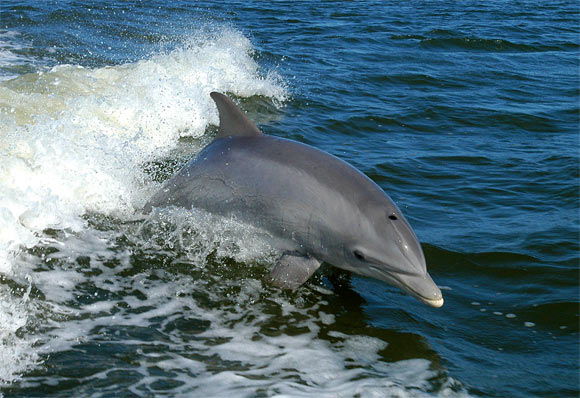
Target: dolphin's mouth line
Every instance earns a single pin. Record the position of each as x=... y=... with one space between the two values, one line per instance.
x=433 y=302
x=394 y=277
x=386 y=267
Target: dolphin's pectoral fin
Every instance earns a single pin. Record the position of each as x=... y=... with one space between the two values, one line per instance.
x=292 y=270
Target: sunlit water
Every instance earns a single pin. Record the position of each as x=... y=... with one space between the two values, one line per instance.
x=466 y=113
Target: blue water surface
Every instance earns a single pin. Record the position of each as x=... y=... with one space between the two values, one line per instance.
x=465 y=112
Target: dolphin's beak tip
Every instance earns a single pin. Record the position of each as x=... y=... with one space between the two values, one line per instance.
x=436 y=303
x=424 y=289
x=437 y=300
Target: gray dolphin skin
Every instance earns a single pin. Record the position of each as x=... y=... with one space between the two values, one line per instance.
x=321 y=208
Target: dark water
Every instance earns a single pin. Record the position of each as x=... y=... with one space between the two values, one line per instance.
x=466 y=113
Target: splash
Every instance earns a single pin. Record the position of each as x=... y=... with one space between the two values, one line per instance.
x=74 y=140
x=201 y=328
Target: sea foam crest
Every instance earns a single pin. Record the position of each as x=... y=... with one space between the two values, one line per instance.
x=74 y=140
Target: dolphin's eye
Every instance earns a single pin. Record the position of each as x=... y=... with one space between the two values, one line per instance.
x=393 y=217
x=359 y=255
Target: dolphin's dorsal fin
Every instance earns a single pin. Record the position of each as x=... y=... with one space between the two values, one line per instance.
x=233 y=121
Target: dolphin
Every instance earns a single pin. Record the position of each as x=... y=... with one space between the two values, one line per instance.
x=319 y=207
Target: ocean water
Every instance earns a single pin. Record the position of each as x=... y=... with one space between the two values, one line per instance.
x=465 y=112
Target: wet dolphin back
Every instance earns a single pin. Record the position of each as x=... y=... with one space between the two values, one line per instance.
x=274 y=183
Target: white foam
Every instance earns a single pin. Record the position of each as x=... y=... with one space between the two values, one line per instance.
x=74 y=140
x=15 y=353
x=79 y=144
x=229 y=354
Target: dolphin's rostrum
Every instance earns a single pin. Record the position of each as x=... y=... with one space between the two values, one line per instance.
x=320 y=207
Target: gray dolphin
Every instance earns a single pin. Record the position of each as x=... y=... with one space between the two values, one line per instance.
x=319 y=206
